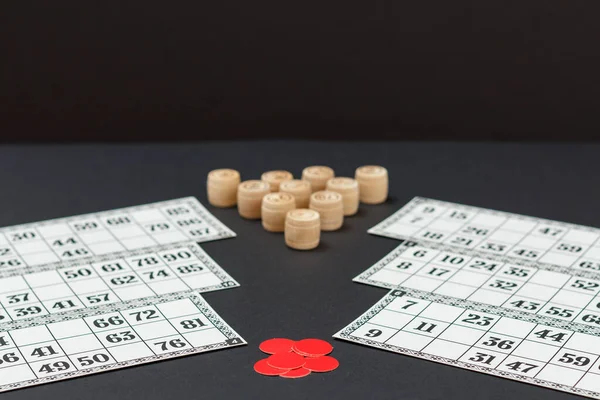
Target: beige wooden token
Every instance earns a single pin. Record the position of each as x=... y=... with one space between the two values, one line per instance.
x=348 y=188
x=318 y=176
x=330 y=207
x=274 y=178
x=249 y=198
x=221 y=187
x=373 y=184
x=300 y=189
x=275 y=207
x=302 y=229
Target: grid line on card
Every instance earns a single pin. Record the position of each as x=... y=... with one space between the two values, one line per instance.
x=564 y=347
x=38 y=300
x=115 y=238
x=495 y=279
x=225 y=337
x=57 y=342
x=45 y=240
x=560 y=290
x=121 y=242
x=136 y=332
x=75 y=293
x=505 y=364
x=430 y=318
x=524 y=236
x=574 y=252
x=187 y=216
x=20 y=352
x=93 y=333
x=172 y=325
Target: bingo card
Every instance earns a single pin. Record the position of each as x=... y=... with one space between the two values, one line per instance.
x=116 y=232
x=518 y=239
x=563 y=293
x=56 y=347
x=109 y=280
x=512 y=344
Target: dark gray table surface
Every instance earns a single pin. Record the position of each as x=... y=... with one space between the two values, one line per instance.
x=289 y=293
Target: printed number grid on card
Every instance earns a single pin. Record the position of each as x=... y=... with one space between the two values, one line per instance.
x=518 y=238
x=484 y=280
x=69 y=345
x=176 y=269
x=111 y=232
x=508 y=343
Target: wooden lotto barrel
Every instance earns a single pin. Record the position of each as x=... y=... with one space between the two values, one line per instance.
x=274 y=178
x=302 y=229
x=317 y=175
x=348 y=188
x=373 y=184
x=330 y=207
x=275 y=207
x=222 y=186
x=249 y=198
x=301 y=190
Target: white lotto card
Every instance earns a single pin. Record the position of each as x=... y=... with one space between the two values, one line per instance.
x=106 y=280
x=516 y=238
x=115 y=232
x=511 y=344
x=99 y=339
x=563 y=293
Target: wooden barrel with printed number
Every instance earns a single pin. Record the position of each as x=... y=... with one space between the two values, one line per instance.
x=275 y=207
x=302 y=229
x=330 y=207
x=249 y=198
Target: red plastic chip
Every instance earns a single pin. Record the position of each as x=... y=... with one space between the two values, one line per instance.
x=296 y=373
x=321 y=364
x=286 y=360
x=312 y=347
x=276 y=345
x=263 y=368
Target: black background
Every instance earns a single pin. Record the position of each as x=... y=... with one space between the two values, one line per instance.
x=139 y=70
x=290 y=293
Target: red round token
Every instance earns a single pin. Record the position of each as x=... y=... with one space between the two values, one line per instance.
x=286 y=360
x=321 y=364
x=312 y=347
x=296 y=373
x=263 y=368
x=276 y=345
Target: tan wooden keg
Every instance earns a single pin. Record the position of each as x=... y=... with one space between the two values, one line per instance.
x=222 y=186
x=301 y=190
x=275 y=207
x=373 y=184
x=330 y=207
x=317 y=175
x=249 y=198
x=274 y=178
x=302 y=229
x=348 y=188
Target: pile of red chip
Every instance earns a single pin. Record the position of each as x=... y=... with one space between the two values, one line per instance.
x=295 y=359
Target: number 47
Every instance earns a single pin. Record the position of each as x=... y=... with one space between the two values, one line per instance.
x=521 y=366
